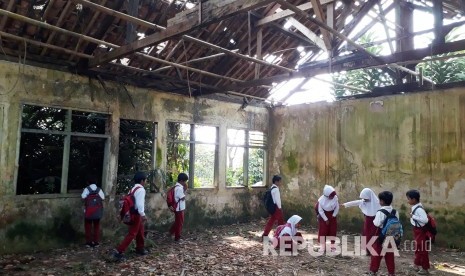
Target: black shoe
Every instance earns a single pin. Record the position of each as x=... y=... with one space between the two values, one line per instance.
x=142 y=252
x=117 y=256
x=89 y=244
x=95 y=244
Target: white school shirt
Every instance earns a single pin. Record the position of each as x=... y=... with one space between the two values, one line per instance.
x=139 y=196
x=276 y=196
x=381 y=217
x=178 y=194
x=85 y=193
x=419 y=219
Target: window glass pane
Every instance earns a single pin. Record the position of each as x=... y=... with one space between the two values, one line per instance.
x=135 y=151
x=177 y=161
x=204 y=165
x=235 y=166
x=43 y=118
x=88 y=122
x=205 y=134
x=256 y=166
x=178 y=131
x=256 y=139
x=40 y=164
x=85 y=158
x=236 y=137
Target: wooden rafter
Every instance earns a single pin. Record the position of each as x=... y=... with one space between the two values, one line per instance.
x=5 y=18
x=356 y=61
x=308 y=33
x=286 y=13
x=345 y=38
x=318 y=10
x=58 y=24
x=211 y=13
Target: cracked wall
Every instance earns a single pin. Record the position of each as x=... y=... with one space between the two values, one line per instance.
x=393 y=143
x=34 y=222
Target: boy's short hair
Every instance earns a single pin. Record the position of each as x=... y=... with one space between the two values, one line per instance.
x=182 y=177
x=139 y=176
x=386 y=197
x=91 y=179
x=276 y=178
x=415 y=194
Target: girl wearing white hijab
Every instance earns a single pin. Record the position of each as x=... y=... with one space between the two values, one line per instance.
x=369 y=204
x=287 y=230
x=328 y=208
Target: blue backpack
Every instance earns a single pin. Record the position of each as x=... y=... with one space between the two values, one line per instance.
x=268 y=200
x=391 y=227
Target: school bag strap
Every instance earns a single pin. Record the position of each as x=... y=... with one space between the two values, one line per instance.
x=388 y=215
x=417 y=224
x=93 y=191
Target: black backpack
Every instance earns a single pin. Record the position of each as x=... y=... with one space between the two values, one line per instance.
x=268 y=200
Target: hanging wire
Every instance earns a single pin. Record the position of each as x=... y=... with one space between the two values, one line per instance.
x=19 y=69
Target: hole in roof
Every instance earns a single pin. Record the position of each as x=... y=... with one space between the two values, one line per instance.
x=79 y=7
x=300 y=48
x=103 y=46
x=125 y=61
x=141 y=35
x=287 y=25
x=161 y=47
x=190 y=5
x=225 y=29
x=232 y=41
x=38 y=7
x=278 y=10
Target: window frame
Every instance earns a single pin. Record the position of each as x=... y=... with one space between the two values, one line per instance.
x=192 y=144
x=245 y=164
x=67 y=133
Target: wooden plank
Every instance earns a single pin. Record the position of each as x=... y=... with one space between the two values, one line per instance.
x=438 y=22
x=308 y=33
x=353 y=62
x=210 y=14
x=318 y=11
x=287 y=13
x=58 y=24
x=330 y=17
x=259 y=51
x=5 y=18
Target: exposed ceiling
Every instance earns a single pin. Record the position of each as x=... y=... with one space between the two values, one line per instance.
x=235 y=46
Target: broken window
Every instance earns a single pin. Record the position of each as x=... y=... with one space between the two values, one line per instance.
x=59 y=148
x=192 y=149
x=245 y=158
x=136 y=153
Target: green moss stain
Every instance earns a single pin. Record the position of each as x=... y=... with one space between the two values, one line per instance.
x=159 y=157
x=26 y=235
x=292 y=163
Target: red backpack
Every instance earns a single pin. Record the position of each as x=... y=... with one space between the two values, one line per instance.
x=430 y=226
x=280 y=229
x=170 y=199
x=93 y=204
x=128 y=207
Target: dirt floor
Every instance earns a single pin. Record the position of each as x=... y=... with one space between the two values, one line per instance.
x=228 y=250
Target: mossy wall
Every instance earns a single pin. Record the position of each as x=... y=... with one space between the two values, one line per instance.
x=37 y=222
x=393 y=143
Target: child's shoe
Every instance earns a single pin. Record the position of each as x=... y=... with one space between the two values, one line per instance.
x=117 y=256
x=422 y=272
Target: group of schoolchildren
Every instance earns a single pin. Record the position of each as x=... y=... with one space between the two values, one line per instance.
x=93 y=197
x=376 y=210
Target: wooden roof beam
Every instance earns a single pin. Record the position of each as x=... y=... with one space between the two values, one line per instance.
x=318 y=10
x=356 y=61
x=287 y=13
x=309 y=34
x=343 y=37
x=212 y=11
x=98 y=41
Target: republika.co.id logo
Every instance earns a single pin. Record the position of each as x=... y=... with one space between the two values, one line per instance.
x=334 y=246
